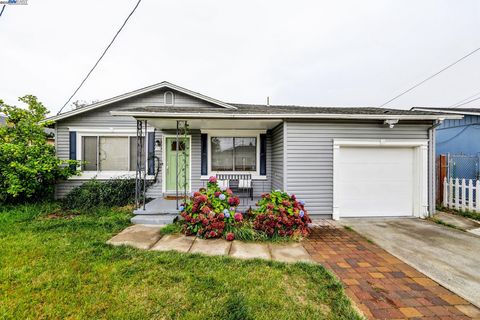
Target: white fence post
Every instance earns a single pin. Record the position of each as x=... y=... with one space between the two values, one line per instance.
x=470 y=195
x=464 y=195
x=445 y=192
x=450 y=197
x=457 y=194
x=477 y=196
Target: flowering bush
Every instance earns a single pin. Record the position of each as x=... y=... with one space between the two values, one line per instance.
x=210 y=210
x=281 y=214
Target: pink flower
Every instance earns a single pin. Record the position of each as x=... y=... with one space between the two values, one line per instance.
x=197 y=194
x=229 y=191
x=238 y=217
x=270 y=206
x=212 y=179
x=206 y=210
x=221 y=216
x=234 y=201
x=212 y=234
x=217 y=193
x=230 y=236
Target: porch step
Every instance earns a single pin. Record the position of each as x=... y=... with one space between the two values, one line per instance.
x=153 y=219
x=161 y=211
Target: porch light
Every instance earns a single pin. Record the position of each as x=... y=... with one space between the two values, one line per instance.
x=391 y=122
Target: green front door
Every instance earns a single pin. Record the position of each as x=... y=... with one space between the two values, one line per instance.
x=183 y=151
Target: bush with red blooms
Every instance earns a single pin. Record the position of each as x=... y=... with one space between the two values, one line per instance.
x=209 y=211
x=280 y=214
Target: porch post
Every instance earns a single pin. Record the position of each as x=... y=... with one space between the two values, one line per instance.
x=137 y=171
x=144 y=163
x=176 y=159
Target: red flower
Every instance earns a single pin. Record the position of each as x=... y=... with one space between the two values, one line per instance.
x=221 y=216
x=206 y=210
x=229 y=191
x=233 y=201
x=238 y=217
x=270 y=206
x=286 y=203
x=230 y=236
x=196 y=194
x=212 y=179
x=217 y=193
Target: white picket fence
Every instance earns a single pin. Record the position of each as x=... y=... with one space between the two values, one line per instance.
x=461 y=195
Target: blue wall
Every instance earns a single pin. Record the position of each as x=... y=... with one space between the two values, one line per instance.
x=459 y=136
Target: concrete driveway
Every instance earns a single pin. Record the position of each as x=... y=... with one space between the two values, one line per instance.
x=448 y=256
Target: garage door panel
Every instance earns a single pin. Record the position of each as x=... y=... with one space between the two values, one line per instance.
x=375 y=182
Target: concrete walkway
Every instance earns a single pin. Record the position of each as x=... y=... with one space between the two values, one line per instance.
x=149 y=238
x=448 y=256
x=459 y=222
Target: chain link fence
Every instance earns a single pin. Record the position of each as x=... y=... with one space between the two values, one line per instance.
x=463 y=166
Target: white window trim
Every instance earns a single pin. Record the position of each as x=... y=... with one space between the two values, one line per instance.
x=165 y=98
x=235 y=134
x=164 y=162
x=420 y=162
x=109 y=132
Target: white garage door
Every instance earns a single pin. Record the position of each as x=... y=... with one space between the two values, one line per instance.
x=375 y=181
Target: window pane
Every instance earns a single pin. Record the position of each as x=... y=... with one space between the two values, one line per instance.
x=222 y=154
x=133 y=154
x=114 y=153
x=89 y=153
x=245 y=154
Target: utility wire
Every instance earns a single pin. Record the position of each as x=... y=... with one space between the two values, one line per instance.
x=459 y=105
x=3 y=8
x=430 y=77
x=99 y=59
x=463 y=100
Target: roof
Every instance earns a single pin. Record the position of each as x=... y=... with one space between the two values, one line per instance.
x=464 y=111
x=161 y=85
x=236 y=110
x=281 y=111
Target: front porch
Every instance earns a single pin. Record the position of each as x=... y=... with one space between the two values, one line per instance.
x=187 y=152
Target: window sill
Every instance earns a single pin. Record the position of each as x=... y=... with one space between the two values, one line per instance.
x=254 y=177
x=107 y=175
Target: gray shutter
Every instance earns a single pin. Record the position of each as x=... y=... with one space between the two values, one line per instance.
x=204 y=154
x=72 y=147
x=151 y=153
x=263 y=154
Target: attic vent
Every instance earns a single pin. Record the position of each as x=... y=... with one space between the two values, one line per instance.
x=168 y=97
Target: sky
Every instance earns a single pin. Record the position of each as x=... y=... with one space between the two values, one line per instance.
x=321 y=53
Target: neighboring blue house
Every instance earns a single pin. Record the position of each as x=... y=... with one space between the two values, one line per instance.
x=458 y=136
x=460 y=139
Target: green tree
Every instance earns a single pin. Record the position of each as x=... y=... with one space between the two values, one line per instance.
x=29 y=167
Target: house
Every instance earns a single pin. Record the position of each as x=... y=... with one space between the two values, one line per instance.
x=458 y=136
x=343 y=162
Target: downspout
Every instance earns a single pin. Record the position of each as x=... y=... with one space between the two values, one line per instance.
x=431 y=168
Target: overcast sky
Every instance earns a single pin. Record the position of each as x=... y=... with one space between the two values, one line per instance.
x=326 y=53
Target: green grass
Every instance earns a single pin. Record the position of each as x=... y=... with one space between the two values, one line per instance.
x=57 y=266
x=466 y=213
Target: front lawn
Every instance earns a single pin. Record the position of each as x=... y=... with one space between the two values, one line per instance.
x=60 y=267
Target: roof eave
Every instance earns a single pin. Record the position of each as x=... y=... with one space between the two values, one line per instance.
x=459 y=112
x=145 y=114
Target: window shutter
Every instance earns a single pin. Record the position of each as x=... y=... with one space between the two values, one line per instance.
x=151 y=153
x=204 y=154
x=263 y=154
x=73 y=147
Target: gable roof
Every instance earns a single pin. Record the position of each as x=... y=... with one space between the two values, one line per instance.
x=281 y=111
x=464 y=111
x=161 y=85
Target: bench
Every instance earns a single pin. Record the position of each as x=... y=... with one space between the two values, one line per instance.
x=239 y=182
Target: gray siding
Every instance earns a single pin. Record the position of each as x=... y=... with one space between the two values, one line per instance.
x=101 y=118
x=309 y=155
x=277 y=157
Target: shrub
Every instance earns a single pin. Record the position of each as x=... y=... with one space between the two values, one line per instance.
x=29 y=167
x=280 y=214
x=94 y=193
x=209 y=210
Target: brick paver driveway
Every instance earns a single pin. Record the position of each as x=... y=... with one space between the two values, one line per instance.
x=382 y=286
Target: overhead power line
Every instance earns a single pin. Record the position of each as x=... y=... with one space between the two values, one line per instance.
x=430 y=77
x=462 y=104
x=99 y=59
x=3 y=9
x=463 y=100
